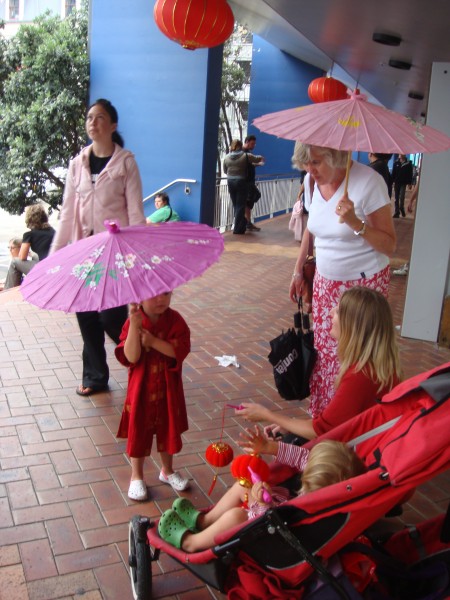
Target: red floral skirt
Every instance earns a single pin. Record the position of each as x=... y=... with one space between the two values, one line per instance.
x=326 y=294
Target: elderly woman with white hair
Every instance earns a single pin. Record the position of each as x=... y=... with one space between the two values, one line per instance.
x=353 y=235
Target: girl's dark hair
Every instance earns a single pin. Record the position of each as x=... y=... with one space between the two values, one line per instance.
x=112 y=112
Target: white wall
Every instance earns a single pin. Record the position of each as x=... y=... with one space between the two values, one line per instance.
x=428 y=281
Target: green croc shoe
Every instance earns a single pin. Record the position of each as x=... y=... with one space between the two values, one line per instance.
x=171 y=528
x=187 y=512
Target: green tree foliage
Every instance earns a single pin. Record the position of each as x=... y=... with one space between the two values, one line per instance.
x=44 y=77
x=235 y=76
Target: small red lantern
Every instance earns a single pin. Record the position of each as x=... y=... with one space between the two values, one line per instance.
x=324 y=89
x=240 y=465
x=195 y=23
x=219 y=454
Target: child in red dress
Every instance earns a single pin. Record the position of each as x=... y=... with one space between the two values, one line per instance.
x=155 y=340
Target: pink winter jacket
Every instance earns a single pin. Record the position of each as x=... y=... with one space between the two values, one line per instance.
x=116 y=194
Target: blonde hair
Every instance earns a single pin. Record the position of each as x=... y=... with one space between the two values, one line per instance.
x=302 y=155
x=235 y=145
x=367 y=337
x=36 y=217
x=330 y=462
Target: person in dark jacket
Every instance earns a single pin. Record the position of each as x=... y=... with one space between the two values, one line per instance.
x=235 y=166
x=379 y=163
x=402 y=175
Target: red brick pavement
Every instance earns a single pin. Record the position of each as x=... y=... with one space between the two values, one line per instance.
x=64 y=510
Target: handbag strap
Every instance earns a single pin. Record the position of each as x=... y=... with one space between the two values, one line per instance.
x=306 y=324
x=170 y=215
x=312 y=183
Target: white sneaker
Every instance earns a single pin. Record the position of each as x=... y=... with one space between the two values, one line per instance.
x=402 y=271
x=175 y=480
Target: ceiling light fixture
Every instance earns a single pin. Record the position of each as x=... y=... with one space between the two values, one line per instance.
x=416 y=95
x=400 y=64
x=388 y=39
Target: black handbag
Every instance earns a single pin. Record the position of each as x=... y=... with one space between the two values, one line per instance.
x=293 y=356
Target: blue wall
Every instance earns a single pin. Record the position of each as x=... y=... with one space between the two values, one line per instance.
x=278 y=82
x=167 y=98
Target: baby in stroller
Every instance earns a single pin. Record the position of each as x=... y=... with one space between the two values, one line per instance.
x=192 y=530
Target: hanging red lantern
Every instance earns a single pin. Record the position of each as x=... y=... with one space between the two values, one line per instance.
x=195 y=23
x=324 y=89
x=240 y=465
x=219 y=454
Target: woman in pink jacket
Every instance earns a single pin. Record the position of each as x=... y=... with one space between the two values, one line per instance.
x=103 y=182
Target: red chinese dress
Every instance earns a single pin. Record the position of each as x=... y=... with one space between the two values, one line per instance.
x=155 y=403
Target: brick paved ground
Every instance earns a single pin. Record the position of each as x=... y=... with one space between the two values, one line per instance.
x=64 y=510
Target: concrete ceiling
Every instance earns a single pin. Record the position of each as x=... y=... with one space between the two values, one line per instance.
x=338 y=34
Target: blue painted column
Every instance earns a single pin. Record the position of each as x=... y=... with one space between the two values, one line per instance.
x=278 y=81
x=167 y=98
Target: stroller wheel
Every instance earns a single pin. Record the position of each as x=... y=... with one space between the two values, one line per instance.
x=139 y=558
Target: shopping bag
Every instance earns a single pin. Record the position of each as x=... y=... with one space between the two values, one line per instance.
x=293 y=356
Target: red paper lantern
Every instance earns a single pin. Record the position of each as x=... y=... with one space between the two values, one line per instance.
x=240 y=465
x=324 y=89
x=219 y=454
x=195 y=23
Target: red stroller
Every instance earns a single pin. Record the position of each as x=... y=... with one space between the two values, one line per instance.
x=297 y=550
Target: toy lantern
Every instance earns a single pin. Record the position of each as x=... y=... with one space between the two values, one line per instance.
x=324 y=89
x=218 y=454
x=241 y=464
x=195 y=23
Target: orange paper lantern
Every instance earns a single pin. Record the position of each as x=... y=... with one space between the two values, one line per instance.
x=324 y=89
x=240 y=465
x=195 y=23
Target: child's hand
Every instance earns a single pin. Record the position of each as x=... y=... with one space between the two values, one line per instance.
x=135 y=316
x=257 y=492
x=255 y=442
x=147 y=340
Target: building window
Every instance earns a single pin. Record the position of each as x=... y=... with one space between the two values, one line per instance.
x=14 y=9
x=70 y=6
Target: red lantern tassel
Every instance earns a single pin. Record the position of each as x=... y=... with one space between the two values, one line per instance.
x=212 y=484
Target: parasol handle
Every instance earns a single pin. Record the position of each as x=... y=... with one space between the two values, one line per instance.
x=347 y=175
x=112 y=226
x=347 y=172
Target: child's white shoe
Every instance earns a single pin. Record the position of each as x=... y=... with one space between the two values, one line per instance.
x=137 y=490
x=175 y=480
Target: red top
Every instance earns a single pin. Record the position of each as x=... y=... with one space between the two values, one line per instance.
x=355 y=394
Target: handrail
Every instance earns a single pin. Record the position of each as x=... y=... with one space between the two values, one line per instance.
x=168 y=186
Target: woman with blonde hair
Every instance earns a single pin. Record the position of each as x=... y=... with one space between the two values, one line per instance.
x=38 y=240
x=363 y=327
x=354 y=236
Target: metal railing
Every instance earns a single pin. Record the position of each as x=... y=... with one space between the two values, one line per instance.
x=168 y=185
x=278 y=195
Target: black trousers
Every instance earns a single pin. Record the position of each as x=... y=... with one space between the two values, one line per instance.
x=238 y=189
x=93 y=326
x=400 y=191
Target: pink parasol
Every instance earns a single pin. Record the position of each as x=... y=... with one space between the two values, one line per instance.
x=119 y=266
x=353 y=124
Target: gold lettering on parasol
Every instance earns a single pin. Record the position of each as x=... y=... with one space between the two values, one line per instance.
x=350 y=122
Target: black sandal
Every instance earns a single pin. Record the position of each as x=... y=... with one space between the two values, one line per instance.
x=88 y=391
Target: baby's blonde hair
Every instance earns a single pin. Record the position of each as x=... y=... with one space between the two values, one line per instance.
x=330 y=462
